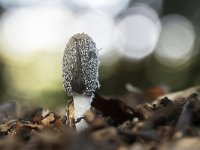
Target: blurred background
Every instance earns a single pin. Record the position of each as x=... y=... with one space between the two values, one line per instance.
x=149 y=44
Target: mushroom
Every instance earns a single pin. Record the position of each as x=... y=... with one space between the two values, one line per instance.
x=80 y=76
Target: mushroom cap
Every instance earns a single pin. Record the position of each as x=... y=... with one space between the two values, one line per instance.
x=80 y=66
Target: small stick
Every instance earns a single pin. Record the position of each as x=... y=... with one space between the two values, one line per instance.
x=70 y=114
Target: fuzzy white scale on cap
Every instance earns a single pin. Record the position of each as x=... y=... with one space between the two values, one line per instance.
x=80 y=66
x=80 y=72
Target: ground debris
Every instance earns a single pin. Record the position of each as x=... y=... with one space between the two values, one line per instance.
x=112 y=125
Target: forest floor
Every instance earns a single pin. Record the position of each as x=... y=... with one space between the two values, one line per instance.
x=131 y=122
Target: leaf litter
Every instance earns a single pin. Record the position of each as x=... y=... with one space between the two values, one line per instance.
x=169 y=122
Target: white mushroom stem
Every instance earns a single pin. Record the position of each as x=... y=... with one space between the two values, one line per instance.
x=82 y=103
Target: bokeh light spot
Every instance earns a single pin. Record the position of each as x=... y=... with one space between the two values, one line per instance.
x=136 y=35
x=176 y=40
x=111 y=7
x=31 y=29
